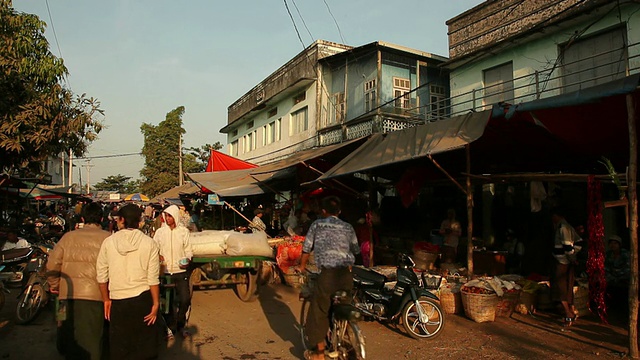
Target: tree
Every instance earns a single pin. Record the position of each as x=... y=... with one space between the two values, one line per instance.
x=197 y=158
x=38 y=116
x=161 y=149
x=119 y=183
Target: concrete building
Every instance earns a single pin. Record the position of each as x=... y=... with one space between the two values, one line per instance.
x=331 y=93
x=516 y=51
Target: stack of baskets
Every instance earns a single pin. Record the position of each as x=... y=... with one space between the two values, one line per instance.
x=479 y=307
x=451 y=301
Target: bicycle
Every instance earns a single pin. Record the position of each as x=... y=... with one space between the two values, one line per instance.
x=344 y=339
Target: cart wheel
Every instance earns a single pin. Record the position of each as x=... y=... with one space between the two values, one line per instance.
x=247 y=288
x=194 y=280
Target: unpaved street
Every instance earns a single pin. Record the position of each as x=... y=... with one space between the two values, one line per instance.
x=226 y=328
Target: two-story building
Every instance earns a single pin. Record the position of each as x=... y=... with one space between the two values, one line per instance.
x=330 y=93
x=516 y=51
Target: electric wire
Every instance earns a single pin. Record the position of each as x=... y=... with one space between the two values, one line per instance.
x=55 y=37
x=335 y=21
x=301 y=18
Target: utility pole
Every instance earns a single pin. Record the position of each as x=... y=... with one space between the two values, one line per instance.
x=70 y=169
x=88 y=166
x=180 y=160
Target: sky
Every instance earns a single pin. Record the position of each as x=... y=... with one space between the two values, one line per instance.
x=143 y=58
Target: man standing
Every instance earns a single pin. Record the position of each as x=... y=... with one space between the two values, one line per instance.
x=451 y=230
x=565 y=237
x=257 y=225
x=335 y=245
x=72 y=273
x=176 y=253
x=128 y=269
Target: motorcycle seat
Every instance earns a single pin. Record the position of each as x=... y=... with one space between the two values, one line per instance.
x=14 y=255
x=361 y=273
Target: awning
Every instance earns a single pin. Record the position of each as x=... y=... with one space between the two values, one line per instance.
x=412 y=143
x=222 y=162
x=187 y=188
x=256 y=181
x=236 y=182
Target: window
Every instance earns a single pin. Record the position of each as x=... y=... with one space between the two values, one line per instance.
x=299 y=98
x=249 y=124
x=278 y=130
x=369 y=95
x=338 y=109
x=233 y=148
x=437 y=102
x=271 y=132
x=595 y=60
x=250 y=141
x=498 y=84
x=272 y=112
x=234 y=133
x=401 y=88
x=299 y=121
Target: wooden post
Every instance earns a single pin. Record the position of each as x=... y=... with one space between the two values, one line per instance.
x=633 y=228
x=469 y=214
x=372 y=203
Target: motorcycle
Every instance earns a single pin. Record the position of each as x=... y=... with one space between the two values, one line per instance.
x=408 y=300
x=3 y=290
x=35 y=294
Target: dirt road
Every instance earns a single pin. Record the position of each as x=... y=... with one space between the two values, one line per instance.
x=225 y=328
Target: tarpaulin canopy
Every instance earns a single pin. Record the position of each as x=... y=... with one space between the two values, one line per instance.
x=412 y=143
x=255 y=181
x=222 y=162
x=187 y=188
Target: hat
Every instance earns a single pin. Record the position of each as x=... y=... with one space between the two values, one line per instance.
x=130 y=211
x=615 y=238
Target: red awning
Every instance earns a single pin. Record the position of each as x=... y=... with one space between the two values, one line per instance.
x=221 y=162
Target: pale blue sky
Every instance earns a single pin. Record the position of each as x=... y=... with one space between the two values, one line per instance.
x=143 y=58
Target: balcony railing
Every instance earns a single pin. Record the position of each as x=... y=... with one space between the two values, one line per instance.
x=538 y=84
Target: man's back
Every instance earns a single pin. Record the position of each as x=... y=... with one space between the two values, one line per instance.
x=333 y=241
x=74 y=258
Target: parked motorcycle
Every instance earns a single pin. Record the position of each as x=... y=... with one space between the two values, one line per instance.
x=14 y=264
x=35 y=294
x=3 y=289
x=409 y=300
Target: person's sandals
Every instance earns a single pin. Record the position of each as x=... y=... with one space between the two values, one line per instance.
x=185 y=333
x=568 y=321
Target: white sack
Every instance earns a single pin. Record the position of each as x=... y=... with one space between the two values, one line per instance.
x=255 y=244
x=209 y=242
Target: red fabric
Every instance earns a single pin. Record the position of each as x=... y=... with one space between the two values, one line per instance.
x=426 y=246
x=221 y=162
x=410 y=184
x=595 y=262
x=363 y=234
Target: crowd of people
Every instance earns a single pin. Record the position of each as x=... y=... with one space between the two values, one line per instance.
x=110 y=279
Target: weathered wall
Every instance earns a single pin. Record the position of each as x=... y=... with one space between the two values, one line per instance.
x=497 y=20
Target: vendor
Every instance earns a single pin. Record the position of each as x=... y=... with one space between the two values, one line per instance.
x=515 y=252
x=617 y=263
x=451 y=230
x=257 y=225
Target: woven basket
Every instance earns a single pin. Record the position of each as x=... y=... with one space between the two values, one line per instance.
x=451 y=302
x=293 y=279
x=507 y=303
x=581 y=300
x=424 y=260
x=527 y=303
x=479 y=307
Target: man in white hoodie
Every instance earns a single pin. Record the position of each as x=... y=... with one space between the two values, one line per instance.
x=176 y=253
x=128 y=269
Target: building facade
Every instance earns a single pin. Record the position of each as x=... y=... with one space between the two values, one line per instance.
x=515 y=51
x=331 y=93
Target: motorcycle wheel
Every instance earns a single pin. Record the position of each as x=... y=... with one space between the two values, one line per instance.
x=427 y=328
x=351 y=343
x=29 y=304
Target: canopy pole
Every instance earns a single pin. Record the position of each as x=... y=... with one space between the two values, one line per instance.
x=469 y=193
x=633 y=227
x=237 y=212
x=268 y=187
x=447 y=174
x=336 y=181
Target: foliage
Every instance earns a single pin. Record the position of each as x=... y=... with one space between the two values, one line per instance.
x=120 y=183
x=160 y=150
x=197 y=158
x=614 y=176
x=38 y=116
